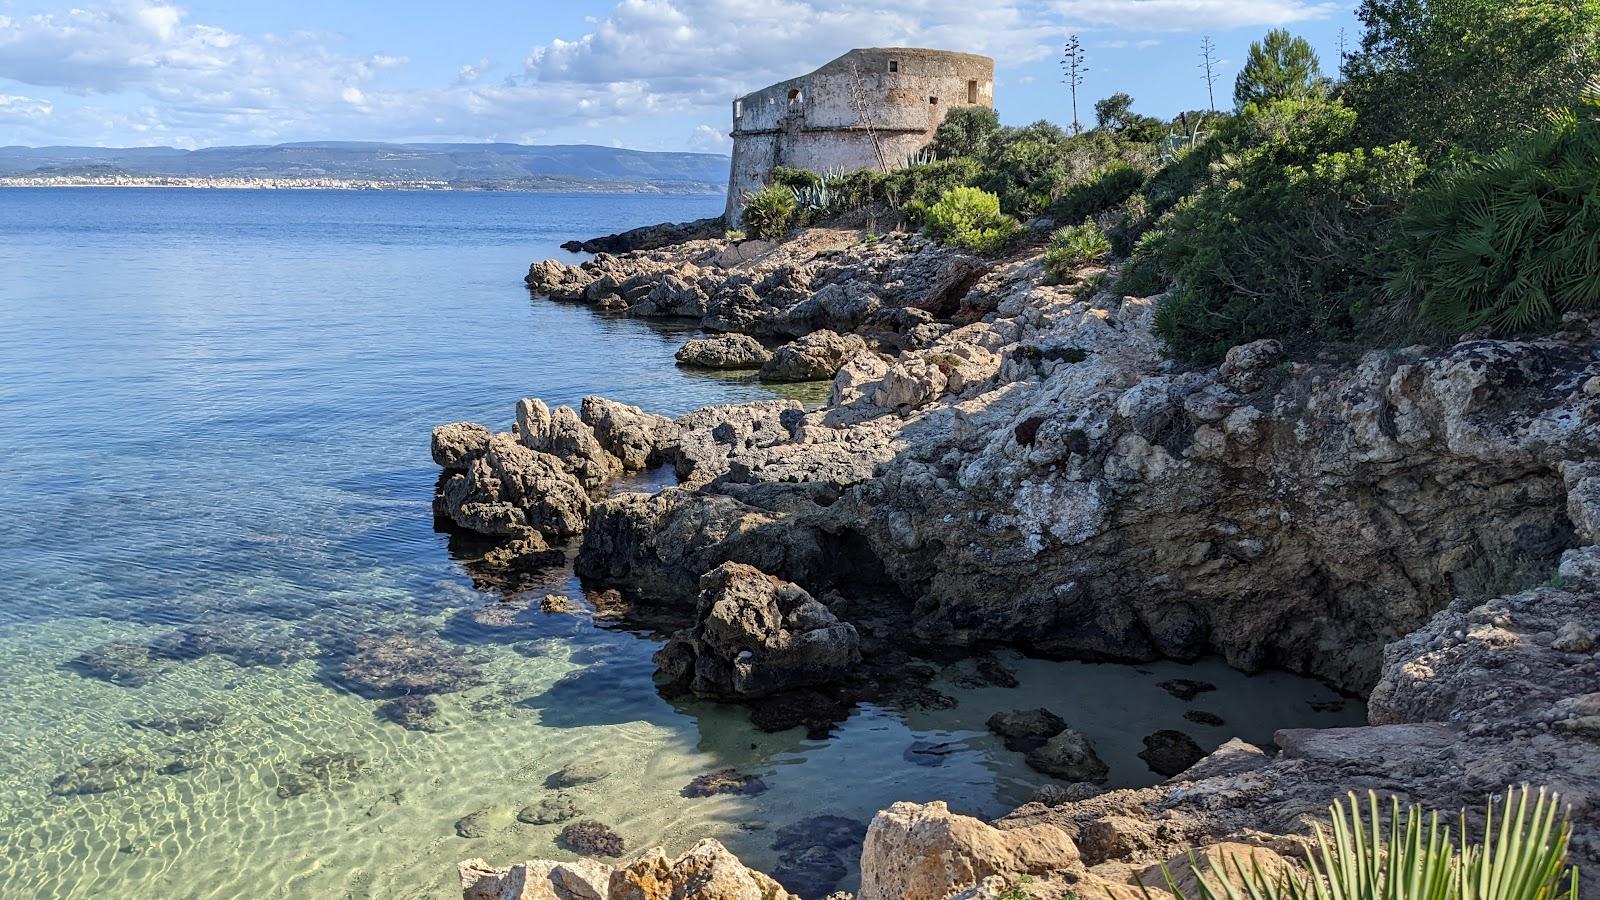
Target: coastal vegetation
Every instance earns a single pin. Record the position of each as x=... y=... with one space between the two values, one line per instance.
x=1446 y=180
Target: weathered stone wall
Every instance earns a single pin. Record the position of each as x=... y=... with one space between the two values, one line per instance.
x=817 y=122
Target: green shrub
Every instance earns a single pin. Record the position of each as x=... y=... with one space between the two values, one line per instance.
x=1103 y=189
x=735 y=235
x=1072 y=247
x=1141 y=274
x=769 y=213
x=1512 y=242
x=916 y=188
x=1523 y=856
x=1471 y=73
x=965 y=132
x=795 y=179
x=860 y=189
x=1286 y=238
x=971 y=219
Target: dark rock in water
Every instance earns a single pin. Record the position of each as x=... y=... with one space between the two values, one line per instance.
x=831 y=832
x=813 y=853
x=549 y=811
x=412 y=712
x=1334 y=705
x=920 y=696
x=576 y=774
x=1057 y=794
x=724 y=781
x=810 y=873
x=997 y=673
x=243 y=642
x=815 y=711
x=320 y=772
x=123 y=663
x=1070 y=757
x=1026 y=729
x=102 y=774
x=931 y=753
x=483 y=822
x=402 y=664
x=1168 y=752
x=1186 y=688
x=193 y=720
x=650 y=237
x=526 y=554
x=981 y=672
x=587 y=837
x=1200 y=717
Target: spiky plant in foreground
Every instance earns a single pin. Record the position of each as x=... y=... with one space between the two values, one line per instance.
x=1523 y=856
x=1511 y=242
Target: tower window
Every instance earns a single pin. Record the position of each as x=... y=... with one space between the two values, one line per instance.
x=738 y=109
x=972 y=92
x=934 y=100
x=894 y=65
x=795 y=98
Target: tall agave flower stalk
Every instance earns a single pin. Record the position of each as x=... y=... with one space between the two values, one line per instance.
x=1524 y=858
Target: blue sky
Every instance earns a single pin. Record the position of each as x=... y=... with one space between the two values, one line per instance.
x=649 y=74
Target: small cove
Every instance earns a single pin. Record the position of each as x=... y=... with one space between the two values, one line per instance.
x=217 y=407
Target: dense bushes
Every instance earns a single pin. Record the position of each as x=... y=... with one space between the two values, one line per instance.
x=1072 y=247
x=1511 y=242
x=1102 y=189
x=770 y=213
x=971 y=219
x=1286 y=239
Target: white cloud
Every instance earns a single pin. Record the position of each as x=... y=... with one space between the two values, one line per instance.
x=709 y=139
x=146 y=71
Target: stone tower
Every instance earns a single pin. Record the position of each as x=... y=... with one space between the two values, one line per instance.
x=868 y=109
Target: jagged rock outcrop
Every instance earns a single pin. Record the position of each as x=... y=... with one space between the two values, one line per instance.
x=925 y=852
x=562 y=434
x=706 y=871
x=650 y=237
x=500 y=487
x=756 y=635
x=815 y=357
x=636 y=439
x=725 y=351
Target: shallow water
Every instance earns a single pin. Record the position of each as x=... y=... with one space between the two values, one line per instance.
x=215 y=406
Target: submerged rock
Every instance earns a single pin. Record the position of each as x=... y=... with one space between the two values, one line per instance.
x=724 y=781
x=550 y=810
x=1026 y=729
x=1186 y=688
x=756 y=635
x=576 y=774
x=319 y=772
x=103 y=774
x=194 y=720
x=1201 y=717
x=483 y=822
x=403 y=664
x=590 y=838
x=725 y=351
x=814 y=711
x=1168 y=752
x=413 y=712
x=125 y=663
x=1070 y=757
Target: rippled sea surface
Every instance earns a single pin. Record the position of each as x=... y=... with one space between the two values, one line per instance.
x=214 y=416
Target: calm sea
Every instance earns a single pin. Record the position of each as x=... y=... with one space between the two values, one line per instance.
x=214 y=416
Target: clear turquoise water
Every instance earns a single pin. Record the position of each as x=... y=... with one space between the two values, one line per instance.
x=214 y=411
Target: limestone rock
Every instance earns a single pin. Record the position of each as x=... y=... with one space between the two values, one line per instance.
x=1070 y=757
x=925 y=852
x=1245 y=367
x=541 y=879
x=560 y=433
x=509 y=489
x=637 y=439
x=725 y=351
x=814 y=357
x=457 y=444
x=706 y=871
x=755 y=635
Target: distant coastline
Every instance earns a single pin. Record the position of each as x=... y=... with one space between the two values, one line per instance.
x=536 y=185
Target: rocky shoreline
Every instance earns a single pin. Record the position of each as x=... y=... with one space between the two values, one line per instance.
x=1003 y=460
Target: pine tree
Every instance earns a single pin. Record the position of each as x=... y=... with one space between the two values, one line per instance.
x=1280 y=67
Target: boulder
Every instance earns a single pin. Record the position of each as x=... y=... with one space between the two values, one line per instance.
x=455 y=445
x=725 y=351
x=755 y=635
x=1070 y=757
x=706 y=871
x=1026 y=729
x=1168 y=752
x=925 y=852
x=814 y=357
x=560 y=433
x=636 y=438
x=1245 y=367
x=540 y=879
x=509 y=489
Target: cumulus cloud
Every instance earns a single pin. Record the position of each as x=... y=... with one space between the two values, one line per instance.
x=145 y=70
x=709 y=139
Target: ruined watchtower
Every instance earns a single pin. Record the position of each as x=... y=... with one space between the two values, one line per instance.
x=868 y=109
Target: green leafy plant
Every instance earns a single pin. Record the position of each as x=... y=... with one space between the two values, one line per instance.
x=1513 y=241
x=1072 y=247
x=1523 y=856
x=1280 y=66
x=971 y=219
x=770 y=212
x=735 y=235
x=964 y=132
x=1103 y=189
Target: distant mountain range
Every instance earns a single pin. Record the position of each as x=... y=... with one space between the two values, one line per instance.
x=486 y=165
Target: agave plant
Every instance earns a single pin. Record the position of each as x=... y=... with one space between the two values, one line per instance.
x=1180 y=140
x=921 y=158
x=1418 y=859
